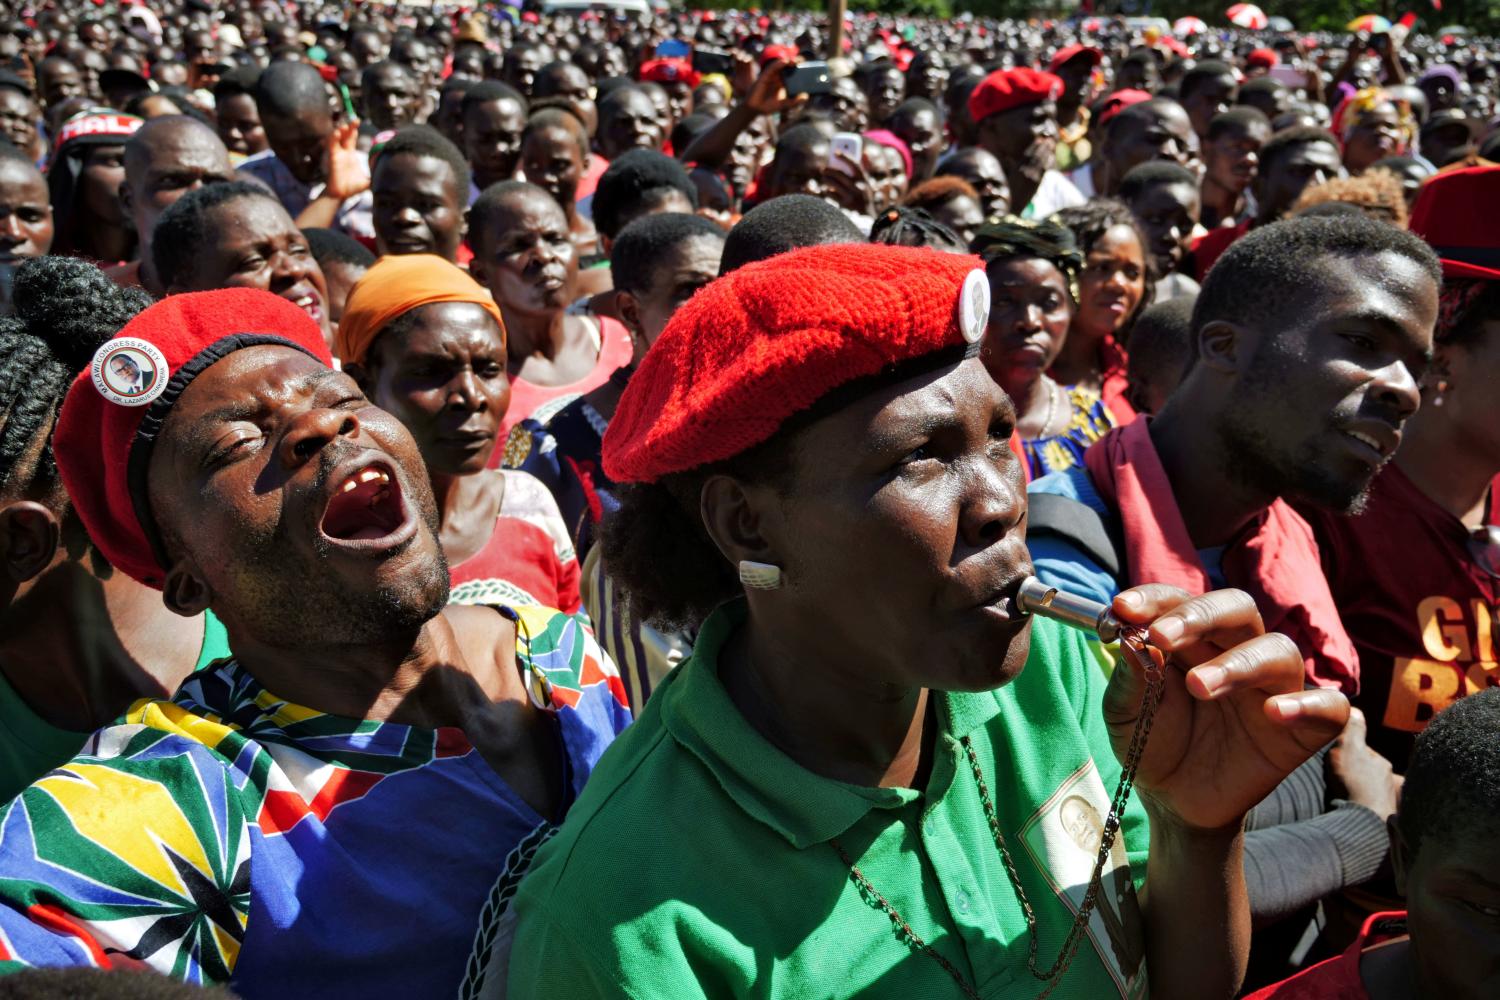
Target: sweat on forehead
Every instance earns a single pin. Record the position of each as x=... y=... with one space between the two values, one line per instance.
x=113 y=415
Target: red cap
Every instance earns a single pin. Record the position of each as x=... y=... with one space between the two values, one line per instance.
x=787 y=52
x=1262 y=58
x=1445 y=217
x=115 y=409
x=1119 y=101
x=772 y=338
x=1068 y=53
x=674 y=70
x=1011 y=88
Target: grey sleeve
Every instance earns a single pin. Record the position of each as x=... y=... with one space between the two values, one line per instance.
x=1297 y=852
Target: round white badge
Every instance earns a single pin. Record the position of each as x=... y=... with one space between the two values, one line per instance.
x=974 y=306
x=128 y=371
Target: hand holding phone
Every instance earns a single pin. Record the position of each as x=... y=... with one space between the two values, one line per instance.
x=809 y=78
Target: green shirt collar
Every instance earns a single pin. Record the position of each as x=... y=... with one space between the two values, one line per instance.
x=803 y=807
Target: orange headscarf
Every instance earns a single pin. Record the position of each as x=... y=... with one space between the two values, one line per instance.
x=397 y=285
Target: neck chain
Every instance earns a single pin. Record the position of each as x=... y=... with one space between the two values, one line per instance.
x=1051 y=407
x=1133 y=644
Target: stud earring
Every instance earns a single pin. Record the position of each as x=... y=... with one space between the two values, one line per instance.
x=759 y=575
x=1442 y=387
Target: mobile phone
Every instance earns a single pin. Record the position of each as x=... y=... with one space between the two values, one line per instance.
x=673 y=48
x=712 y=61
x=842 y=145
x=1289 y=76
x=808 y=78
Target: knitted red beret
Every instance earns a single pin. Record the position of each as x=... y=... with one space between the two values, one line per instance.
x=772 y=338
x=1010 y=88
x=116 y=408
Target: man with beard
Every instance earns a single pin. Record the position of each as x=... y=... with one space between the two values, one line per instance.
x=367 y=757
x=1015 y=112
x=1298 y=396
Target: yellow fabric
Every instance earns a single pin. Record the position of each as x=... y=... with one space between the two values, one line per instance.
x=397 y=285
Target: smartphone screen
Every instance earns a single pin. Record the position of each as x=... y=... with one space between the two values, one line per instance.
x=844 y=147
x=808 y=78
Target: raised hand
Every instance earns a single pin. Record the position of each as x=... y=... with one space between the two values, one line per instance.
x=348 y=168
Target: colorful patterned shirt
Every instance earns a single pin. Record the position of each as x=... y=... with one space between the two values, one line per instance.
x=229 y=836
x=1089 y=421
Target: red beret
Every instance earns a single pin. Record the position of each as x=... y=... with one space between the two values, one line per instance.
x=1119 y=101
x=1068 y=53
x=772 y=338
x=115 y=409
x=674 y=70
x=1263 y=58
x=1010 y=88
x=1444 y=216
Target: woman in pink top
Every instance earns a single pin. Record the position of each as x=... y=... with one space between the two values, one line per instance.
x=523 y=254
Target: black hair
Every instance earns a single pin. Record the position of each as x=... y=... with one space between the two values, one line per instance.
x=1288 y=138
x=64 y=309
x=424 y=140
x=1161 y=340
x=550 y=73
x=641 y=245
x=1200 y=74
x=1269 y=271
x=609 y=102
x=290 y=88
x=491 y=90
x=240 y=80
x=914 y=106
x=1453 y=784
x=690 y=127
x=1241 y=118
x=1269 y=84
x=782 y=224
x=803 y=136
x=370 y=72
x=636 y=180
x=1091 y=220
x=546 y=115
x=335 y=246
x=177 y=242
x=908 y=226
x=490 y=201
x=1145 y=176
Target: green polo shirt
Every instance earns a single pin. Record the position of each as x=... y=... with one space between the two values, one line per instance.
x=30 y=746
x=698 y=860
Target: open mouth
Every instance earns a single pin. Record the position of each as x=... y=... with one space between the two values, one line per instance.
x=366 y=507
x=309 y=303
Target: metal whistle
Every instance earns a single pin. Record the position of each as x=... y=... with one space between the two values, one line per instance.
x=1036 y=598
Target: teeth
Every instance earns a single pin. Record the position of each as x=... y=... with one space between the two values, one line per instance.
x=369 y=475
x=1365 y=439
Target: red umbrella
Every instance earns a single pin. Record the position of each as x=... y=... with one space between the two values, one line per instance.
x=1247 y=15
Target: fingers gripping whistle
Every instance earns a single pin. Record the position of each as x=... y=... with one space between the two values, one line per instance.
x=1036 y=598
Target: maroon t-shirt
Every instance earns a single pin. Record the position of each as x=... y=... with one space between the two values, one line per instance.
x=1421 y=613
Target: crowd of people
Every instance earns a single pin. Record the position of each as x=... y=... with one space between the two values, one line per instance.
x=506 y=503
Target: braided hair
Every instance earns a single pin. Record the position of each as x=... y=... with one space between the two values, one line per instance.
x=65 y=308
x=907 y=226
